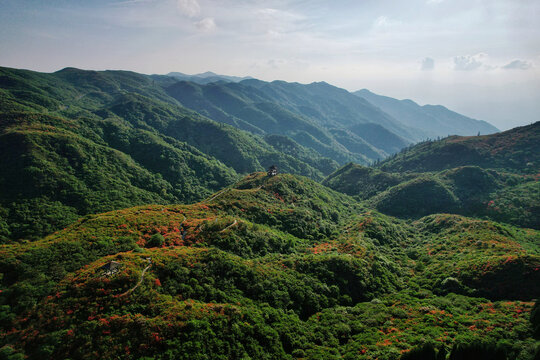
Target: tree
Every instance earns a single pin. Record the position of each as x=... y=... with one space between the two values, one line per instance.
x=157 y=240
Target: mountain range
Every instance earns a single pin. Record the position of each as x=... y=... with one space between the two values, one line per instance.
x=172 y=141
x=137 y=222
x=319 y=116
x=433 y=120
x=275 y=267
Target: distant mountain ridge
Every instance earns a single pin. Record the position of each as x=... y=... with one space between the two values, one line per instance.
x=207 y=77
x=432 y=120
x=427 y=121
x=319 y=116
x=327 y=119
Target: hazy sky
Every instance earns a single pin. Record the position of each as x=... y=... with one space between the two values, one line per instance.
x=478 y=57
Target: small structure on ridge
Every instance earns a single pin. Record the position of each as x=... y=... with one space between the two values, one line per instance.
x=272 y=171
x=111 y=268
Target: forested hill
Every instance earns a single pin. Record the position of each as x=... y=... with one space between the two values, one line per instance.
x=77 y=142
x=493 y=176
x=514 y=150
x=270 y=268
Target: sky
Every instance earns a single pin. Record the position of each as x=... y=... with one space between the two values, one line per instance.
x=477 y=57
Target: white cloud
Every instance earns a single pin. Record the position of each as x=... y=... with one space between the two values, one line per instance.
x=267 y=11
x=206 y=25
x=428 y=64
x=277 y=14
x=277 y=63
x=384 y=22
x=518 y=65
x=189 y=8
x=469 y=62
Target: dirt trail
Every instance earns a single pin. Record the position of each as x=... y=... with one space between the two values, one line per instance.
x=140 y=280
x=234 y=223
x=215 y=196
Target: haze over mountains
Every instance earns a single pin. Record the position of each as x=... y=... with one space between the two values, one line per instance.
x=323 y=117
x=433 y=120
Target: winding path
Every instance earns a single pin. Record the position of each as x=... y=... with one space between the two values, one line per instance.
x=234 y=223
x=215 y=196
x=139 y=282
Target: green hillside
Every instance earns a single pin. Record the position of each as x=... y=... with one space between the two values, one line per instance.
x=493 y=177
x=52 y=173
x=466 y=190
x=230 y=278
x=515 y=150
x=78 y=142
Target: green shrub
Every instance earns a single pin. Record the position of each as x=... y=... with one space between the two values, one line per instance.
x=157 y=240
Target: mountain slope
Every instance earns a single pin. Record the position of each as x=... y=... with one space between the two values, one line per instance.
x=313 y=115
x=492 y=176
x=328 y=105
x=515 y=150
x=218 y=279
x=433 y=120
x=75 y=142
